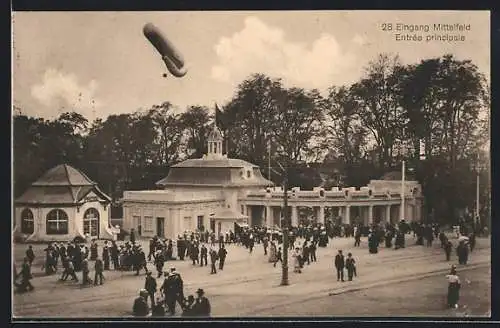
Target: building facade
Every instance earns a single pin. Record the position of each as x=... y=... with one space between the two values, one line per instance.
x=214 y=192
x=61 y=205
x=197 y=193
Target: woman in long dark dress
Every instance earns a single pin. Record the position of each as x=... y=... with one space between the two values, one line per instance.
x=453 y=288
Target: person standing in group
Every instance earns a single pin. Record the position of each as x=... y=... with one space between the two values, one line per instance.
x=99 y=268
x=201 y=307
x=150 y=287
x=114 y=255
x=203 y=255
x=312 y=251
x=472 y=241
x=350 y=265
x=213 y=261
x=265 y=244
x=194 y=253
x=222 y=257
x=85 y=272
x=105 y=255
x=357 y=237
x=141 y=261
x=140 y=308
x=339 y=265
x=132 y=236
x=296 y=260
x=30 y=254
x=278 y=257
x=462 y=253
x=159 y=262
x=447 y=249
x=26 y=276
x=69 y=269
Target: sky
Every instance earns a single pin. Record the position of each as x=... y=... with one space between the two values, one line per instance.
x=100 y=63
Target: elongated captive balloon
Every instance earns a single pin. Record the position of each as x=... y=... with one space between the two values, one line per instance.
x=171 y=56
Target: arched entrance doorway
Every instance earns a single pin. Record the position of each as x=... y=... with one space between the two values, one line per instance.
x=91 y=222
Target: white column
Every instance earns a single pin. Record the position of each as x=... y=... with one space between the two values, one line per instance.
x=347 y=214
x=322 y=215
x=388 y=213
x=269 y=216
x=370 y=214
x=295 y=216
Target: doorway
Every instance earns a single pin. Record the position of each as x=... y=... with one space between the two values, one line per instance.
x=212 y=225
x=160 y=227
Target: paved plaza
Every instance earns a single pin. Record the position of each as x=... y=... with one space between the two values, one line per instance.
x=405 y=279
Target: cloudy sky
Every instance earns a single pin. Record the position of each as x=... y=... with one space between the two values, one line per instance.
x=100 y=63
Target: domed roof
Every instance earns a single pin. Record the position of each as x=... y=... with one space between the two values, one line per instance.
x=64 y=175
x=215 y=134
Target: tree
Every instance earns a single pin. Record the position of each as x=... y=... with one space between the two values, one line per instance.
x=378 y=98
x=345 y=132
x=297 y=119
x=250 y=112
x=195 y=122
x=169 y=129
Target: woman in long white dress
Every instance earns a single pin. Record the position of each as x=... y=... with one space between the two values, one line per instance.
x=296 y=262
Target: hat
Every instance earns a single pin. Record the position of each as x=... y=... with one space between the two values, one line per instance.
x=143 y=292
x=148 y=273
x=172 y=269
x=200 y=291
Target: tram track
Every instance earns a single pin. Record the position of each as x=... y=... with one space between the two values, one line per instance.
x=339 y=291
x=320 y=276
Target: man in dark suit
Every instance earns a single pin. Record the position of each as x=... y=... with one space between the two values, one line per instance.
x=201 y=307
x=150 y=286
x=339 y=265
x=222 y=256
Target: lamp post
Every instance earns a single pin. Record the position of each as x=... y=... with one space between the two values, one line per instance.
x=403 y=174
x=284 y=228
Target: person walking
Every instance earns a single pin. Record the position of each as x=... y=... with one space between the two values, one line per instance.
x=99 y=268
x=453 y=288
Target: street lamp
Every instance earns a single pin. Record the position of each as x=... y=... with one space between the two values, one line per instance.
x=479 y=167
x=284 y=229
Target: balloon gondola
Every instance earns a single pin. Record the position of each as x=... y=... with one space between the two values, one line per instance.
x=170 y=55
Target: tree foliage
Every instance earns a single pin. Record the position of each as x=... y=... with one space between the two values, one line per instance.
x=359 y=132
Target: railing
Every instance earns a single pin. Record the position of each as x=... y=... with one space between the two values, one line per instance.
x=344 y=194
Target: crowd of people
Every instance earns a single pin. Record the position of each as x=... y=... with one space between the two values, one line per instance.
x=199 y=246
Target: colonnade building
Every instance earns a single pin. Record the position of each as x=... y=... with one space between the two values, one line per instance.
x=215 y=192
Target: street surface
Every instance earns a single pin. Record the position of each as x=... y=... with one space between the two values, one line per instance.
x=404 y=282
